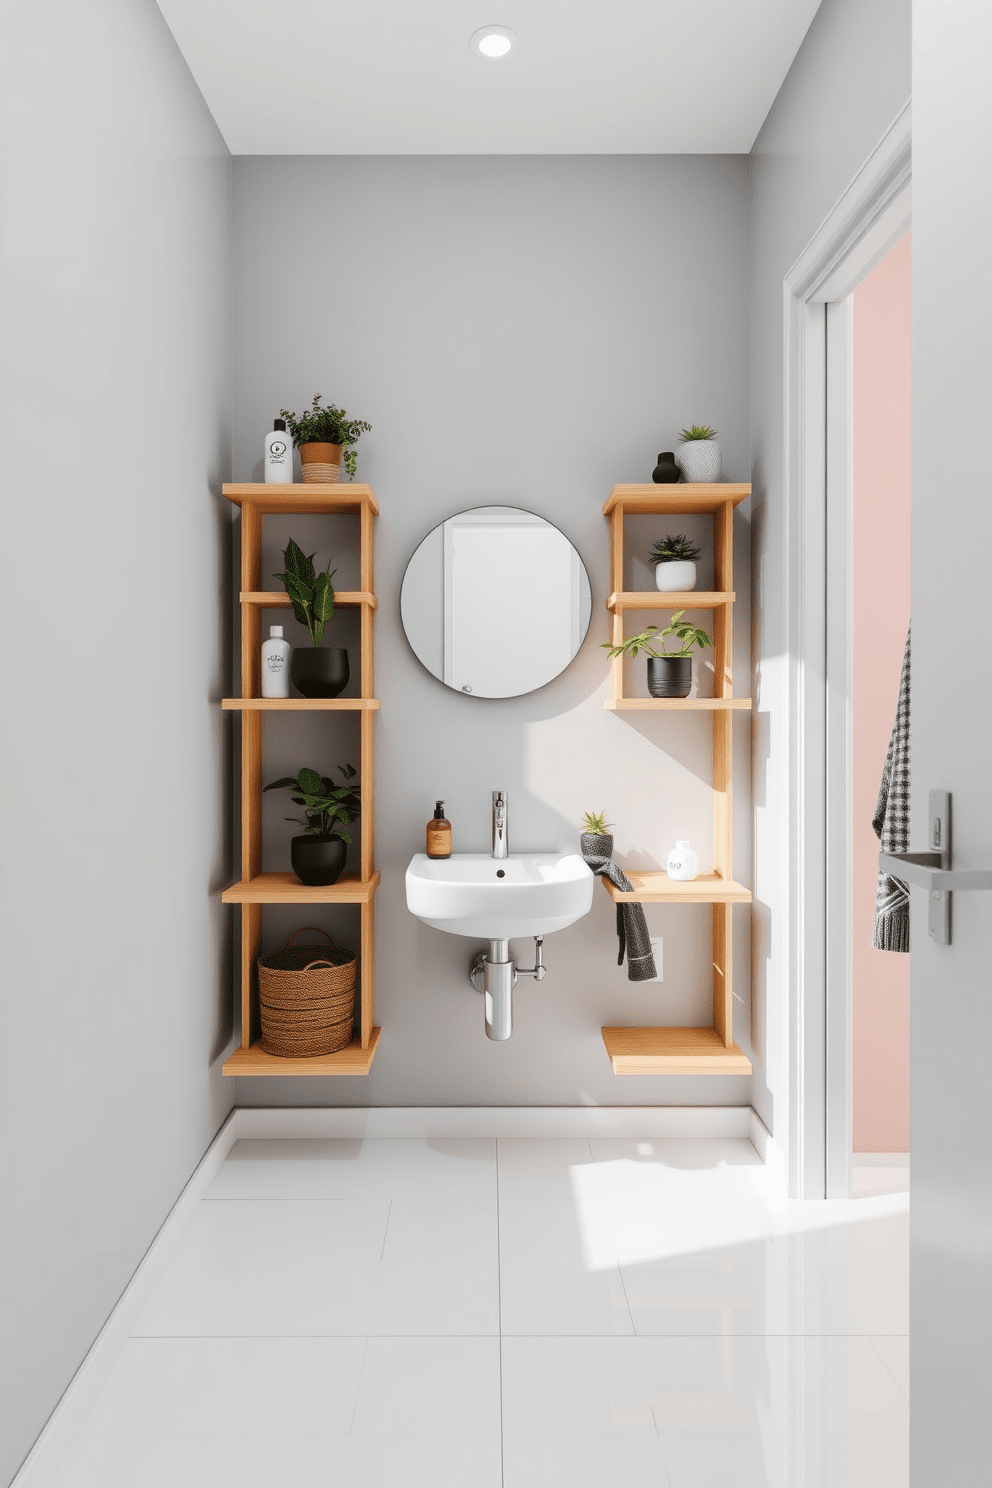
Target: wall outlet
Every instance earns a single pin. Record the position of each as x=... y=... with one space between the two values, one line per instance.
x=657 y=944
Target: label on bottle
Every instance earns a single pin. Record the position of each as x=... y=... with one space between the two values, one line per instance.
x=438 y=839
x=275 y=662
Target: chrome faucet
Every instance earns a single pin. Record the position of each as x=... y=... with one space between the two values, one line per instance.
x=500 y=849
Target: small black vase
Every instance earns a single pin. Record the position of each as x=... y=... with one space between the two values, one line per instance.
x=596 y=844
x=318 y=860
x=666 y=472
x=669 y=676
x=320 y=671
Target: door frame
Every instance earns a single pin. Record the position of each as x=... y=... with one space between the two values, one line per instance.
x=870 y=217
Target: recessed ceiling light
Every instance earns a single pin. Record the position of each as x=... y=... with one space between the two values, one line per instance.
x=494 y=42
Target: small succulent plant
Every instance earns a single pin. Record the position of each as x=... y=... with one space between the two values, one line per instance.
x=697 y=431
x=596 y=823
x=679 y=549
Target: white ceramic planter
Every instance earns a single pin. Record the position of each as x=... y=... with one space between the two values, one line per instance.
x=699 y=460
x=672 y=577
x=683 y=863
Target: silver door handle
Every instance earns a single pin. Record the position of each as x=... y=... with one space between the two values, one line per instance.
x=933 y=871
x=923 y=871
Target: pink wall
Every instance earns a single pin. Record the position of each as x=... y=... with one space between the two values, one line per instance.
x=881 y=615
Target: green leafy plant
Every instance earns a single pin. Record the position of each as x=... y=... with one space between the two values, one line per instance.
x=312 y=593
x=688 y=635
x=595 y=822
x=328 y=425
x=324 y=803
x=675 y=550
x=697 y=431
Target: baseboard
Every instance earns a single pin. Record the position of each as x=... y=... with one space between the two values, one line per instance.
x=644 y=1122
x=768 y=1150
x=49 y=1451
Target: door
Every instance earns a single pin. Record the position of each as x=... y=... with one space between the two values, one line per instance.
x=951 y=985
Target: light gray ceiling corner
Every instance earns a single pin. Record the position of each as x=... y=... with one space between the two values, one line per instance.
x=397 y=77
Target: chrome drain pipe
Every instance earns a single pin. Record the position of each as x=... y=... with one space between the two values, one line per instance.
x=498 y=977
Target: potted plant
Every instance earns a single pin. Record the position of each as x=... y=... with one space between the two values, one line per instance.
x=324 y=437
x=318 y=854
x=317 y=671
x=669 y=672
x=676 y=563
x=698 y=456
x=596 y=840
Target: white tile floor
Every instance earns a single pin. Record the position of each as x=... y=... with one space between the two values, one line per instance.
x=513 y=1314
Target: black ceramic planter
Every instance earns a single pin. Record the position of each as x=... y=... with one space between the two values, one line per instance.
x=318 y=860
x=666 y=472
x=669 y=676
x=320 y=671
x=596 y=844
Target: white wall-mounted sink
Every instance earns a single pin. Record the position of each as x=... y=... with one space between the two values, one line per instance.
x=499 y=898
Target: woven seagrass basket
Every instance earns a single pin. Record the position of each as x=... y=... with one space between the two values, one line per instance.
x=306 y=997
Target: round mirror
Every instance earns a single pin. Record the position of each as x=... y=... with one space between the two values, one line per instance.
x=495 y=602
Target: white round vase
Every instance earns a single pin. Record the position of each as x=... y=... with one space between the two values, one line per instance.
x=683 y=863
x=699 y=460
x=673 y=577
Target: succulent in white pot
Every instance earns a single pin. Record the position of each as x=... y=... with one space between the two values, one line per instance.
x=676 y=563
x=698 y=456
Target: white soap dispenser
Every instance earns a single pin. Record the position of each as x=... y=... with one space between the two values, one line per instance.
x=278 y=456
x=683 y=863
x=275 y=664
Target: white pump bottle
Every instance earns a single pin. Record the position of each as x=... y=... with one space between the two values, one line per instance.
x=275 y=664
x=278 y=456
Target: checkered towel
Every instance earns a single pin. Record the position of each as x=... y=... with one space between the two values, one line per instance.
x=891 y=824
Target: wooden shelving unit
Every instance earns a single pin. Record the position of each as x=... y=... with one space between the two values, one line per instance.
x=255 y=889
x=708 y=1050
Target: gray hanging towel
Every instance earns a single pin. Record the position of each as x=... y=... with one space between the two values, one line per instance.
x=891 y=824
x=632 y=927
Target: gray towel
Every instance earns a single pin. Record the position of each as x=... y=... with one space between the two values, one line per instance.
x=891 y=824
x=632 y=927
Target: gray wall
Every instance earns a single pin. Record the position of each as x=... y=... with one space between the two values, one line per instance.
x=951 y=1020
x=849 y=80
x=115 y=391
x=527 y=331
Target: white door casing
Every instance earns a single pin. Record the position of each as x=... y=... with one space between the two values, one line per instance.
x=866 y=222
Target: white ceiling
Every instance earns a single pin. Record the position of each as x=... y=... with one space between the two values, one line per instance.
x=397 y=77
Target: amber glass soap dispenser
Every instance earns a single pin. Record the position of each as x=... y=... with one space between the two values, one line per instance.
x=438 y=834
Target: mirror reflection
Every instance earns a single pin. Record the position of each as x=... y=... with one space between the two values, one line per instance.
x=495 y=602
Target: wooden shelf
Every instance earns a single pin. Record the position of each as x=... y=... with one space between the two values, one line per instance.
x=278 y=599
x=628 y=704
x=658 y=888
x=285 y=888
x=686 y=1050
x=256 y=889
x=681 y=498
x=300 y=705
x=657 y=599
x=344 y=496
x=672 y=1051
x=354 y=1060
